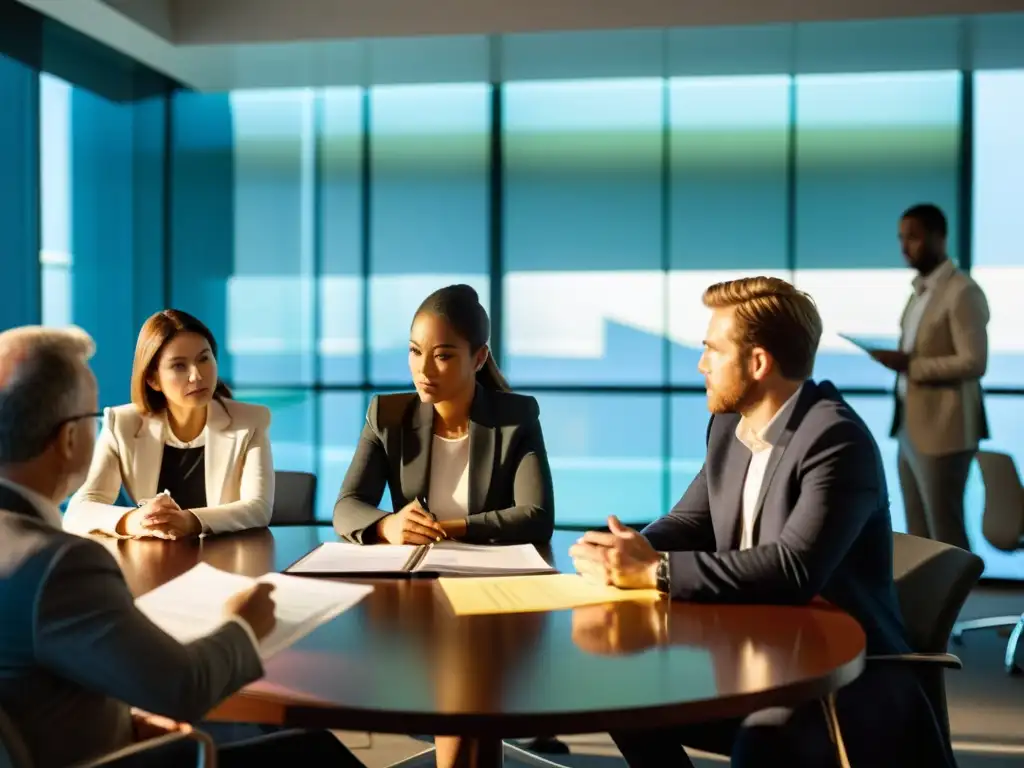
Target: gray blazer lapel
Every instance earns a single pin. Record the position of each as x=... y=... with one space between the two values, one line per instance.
x=737 y=460
x=482 y=440
x=416 y=444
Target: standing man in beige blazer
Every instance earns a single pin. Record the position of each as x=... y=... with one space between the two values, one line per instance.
x=940 y=414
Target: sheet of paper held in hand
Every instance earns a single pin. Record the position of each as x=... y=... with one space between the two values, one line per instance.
x=526 y=594
x=192 y=605
x=871 y=344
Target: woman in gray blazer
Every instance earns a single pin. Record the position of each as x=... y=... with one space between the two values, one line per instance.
x=463 y=456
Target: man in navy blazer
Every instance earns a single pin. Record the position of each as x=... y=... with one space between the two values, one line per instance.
x=790 y=504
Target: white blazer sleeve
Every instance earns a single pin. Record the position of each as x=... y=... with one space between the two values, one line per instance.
x=256 y=490
x=92 y=507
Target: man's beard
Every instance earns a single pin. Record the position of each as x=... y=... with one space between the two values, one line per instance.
x=733 y=399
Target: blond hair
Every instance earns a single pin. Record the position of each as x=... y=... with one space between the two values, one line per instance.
x=772 y=314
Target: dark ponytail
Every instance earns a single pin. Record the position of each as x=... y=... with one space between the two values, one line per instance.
x=460 y=307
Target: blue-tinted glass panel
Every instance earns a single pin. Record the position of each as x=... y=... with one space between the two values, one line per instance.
x=430 y=160
x=606 y=455
x=270 y=292
x=20 y=137
x=584 y=289
x=341 y=206
x=998 y=261
x=729 y=162
x=342 y=415
x=688 y=423
x=55 y=126
x=202 y=226
x=292 y=426
x=867 y=147
x=293 y=434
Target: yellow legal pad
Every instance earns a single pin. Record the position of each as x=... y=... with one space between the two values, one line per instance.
x=526 y=594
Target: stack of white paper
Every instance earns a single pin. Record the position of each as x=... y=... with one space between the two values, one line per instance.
x=192 y=605
x=456 y=558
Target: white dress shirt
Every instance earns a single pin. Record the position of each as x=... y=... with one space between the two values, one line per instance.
x=448 y=498
x=50 y=513
x=924 y=287
x=759 y=442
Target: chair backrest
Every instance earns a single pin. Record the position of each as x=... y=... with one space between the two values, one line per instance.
x=933 y=580
x=294 y=498
x=13 y=751
x=1002 y=523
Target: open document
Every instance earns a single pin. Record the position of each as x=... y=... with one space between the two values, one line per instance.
x=527 y=594
x=192 y=605
x=448 y=558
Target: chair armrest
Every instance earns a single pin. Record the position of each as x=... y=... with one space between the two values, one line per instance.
x=207 y=749
x=945 y=660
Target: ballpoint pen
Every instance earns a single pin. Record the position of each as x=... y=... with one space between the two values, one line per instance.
x=423 y=503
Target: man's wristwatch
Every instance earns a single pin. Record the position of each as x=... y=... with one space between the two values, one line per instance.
x=663 y=575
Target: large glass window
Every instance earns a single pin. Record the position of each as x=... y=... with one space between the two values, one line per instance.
x=341 y=242
x=429 y=207
x=728 y=196
x=342 y=416
x=306 y=225
x=270 y=293
x=585 y=287
x=868 y=146
x=998 y=261
x=606 y=455
x=55 y=199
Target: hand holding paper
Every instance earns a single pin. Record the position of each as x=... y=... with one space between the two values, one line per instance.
x=255 y=606
x=194 y=604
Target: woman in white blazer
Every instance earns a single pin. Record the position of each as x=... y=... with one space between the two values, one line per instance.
x=192 y=459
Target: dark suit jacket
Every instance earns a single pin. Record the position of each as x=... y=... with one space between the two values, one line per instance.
x=75 y=652
x=823 y=528
x=510 y=493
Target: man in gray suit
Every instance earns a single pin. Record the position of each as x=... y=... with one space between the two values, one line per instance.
x=940 y=415
x=75 y=653
x=790 y=504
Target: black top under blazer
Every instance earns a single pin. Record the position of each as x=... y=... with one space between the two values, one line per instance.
x=510 y=492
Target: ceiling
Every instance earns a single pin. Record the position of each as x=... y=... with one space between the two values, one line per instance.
x=218 y=45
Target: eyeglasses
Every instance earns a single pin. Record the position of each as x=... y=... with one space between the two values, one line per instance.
x=69 y=419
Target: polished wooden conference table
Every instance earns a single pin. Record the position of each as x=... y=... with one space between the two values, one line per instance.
x=402 y=662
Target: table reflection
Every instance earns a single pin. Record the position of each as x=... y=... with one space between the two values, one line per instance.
x=752 y=647
x=148 y=563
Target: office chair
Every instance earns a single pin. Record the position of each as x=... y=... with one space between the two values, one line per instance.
x=13 y=752
x=1002 y=524
x=294 y=498
x=933 y=581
